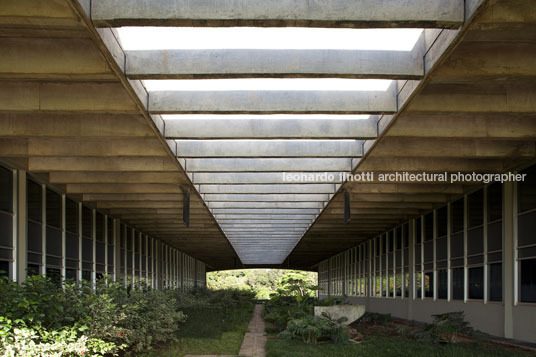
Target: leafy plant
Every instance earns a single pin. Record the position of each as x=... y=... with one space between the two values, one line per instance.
x=312 y=329
x=445 y=328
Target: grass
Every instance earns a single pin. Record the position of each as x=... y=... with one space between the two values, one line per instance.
x=210 y=331
x=386 y=346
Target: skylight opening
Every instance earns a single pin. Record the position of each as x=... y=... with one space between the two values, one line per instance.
x=267 y=116
x=155 y=38
x=252 y=84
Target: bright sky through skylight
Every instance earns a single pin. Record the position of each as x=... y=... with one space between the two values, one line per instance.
x=259 y=116
x=324 y=84
x=152 y=38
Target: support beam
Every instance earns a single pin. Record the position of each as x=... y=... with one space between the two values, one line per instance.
x=273 y=102
x=283 y=188
x=271 y=205
x=269 y=148
x=66 y=97
x=301 y=13
x=288 y=197
x=289 y=217
x=269 y=165
x=256 y=178
x=52 y=58
x=266 y=128
x=272 y=211
x=248 y=63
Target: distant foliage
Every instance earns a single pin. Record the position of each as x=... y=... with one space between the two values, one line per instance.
x=264 y=282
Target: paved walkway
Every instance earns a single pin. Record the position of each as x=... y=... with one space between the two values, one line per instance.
x=255 y=339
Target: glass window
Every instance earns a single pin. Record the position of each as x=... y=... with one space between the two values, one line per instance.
x=53 y=208
x=494 y=202
x=6 y=190
x=495 y=282
x=457 y=283
x=35 y=201
x=528 y=280
x=475 y=206
x=527 y=190
x=429 y=227
x=71 y=216
x=429 y=284
x=442 y=222
x=442 y=284
x=457 y=213
x=476 y=283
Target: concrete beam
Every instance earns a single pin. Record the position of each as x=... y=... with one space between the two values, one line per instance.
x=64 y=177
x=137 y=147
x=101 y=164
x=406 y=188
x=215 y=197
x=513 y=96
x=288 y=188
x=248 y=63
x=268 y=165
x=271 y=205
x=267 y=225
x=289 y=217
x=124 y=188
x=52 y=59
x=432 y=164
x=254 y=178
x=456 y=148
x=272 y=211
x=301 y=13
x=88 y=97
x=464 y=125
x=273 y=101
x=266 y=128
x=269 y=148
x=73 y=125
x=131 y=196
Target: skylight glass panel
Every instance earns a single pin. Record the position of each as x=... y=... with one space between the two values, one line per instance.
x=249 y=84
x=154 y=38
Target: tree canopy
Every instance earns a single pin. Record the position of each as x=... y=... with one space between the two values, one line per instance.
x=264 y=282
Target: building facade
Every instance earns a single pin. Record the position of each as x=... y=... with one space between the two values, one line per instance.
x=43 y=231
x=476 y=254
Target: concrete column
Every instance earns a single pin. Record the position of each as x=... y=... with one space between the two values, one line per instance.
x=63 y=238
x=21 y=244
x=411 y=267
x=508 y=258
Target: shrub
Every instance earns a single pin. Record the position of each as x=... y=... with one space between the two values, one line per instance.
x=445 y=328
x=105 y=317
x=311 y=329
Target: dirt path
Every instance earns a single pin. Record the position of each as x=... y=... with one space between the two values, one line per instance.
x=255 y=339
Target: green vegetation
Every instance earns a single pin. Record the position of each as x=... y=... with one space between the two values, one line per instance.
x=263 y=282
x=386 y=346
x=216 y=324
x=42 y=318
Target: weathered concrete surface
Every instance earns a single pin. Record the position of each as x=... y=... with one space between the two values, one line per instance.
x=351 y=312
x=272 y=101
x=268 y=165
x=333 y=13
x=269 y=148
x=271 y=128
x=231 y=63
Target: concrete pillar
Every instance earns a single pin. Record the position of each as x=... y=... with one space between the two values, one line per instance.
x=508 y=258
x=411 y=268
x=21 y=244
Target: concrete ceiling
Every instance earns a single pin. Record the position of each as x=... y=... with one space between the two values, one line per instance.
x=73 y=108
